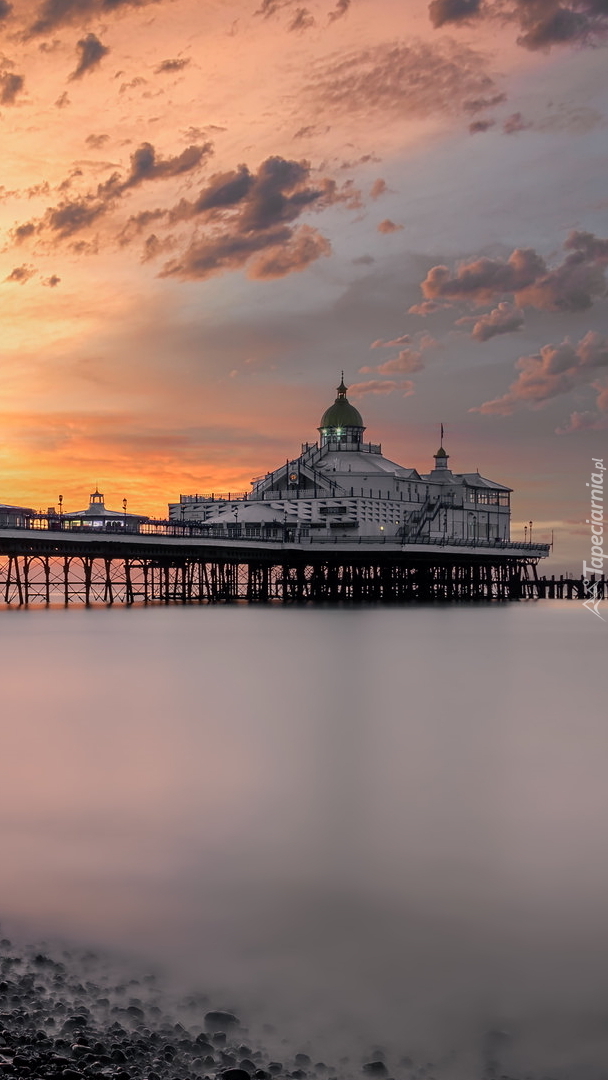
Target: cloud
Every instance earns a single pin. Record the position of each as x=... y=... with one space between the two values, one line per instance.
x=21 y=274
x=452 y=11
x=408 y=80
x=543 y=23
x=249 y=221
x=62 y=100
x=504 y=319
x=54 y=13
x=5 y=10
x=97 y=141
x=403 y=339
x=478 y=126
x=427 y=307
x=92 y=52
x=477 y=104
x=388 y=226
x=378 y=188
x=340 y=9
x=571 y=286
x=384 y=386
x=302 y=20
x=583 y=421
x=23 y=232
x=169 y=66
x=406 y=363
x=515 y=123
x=73 y=215
x=10 y=86
x=145 y=165
x=52 y=281
x=283 y=251
x=555 y=370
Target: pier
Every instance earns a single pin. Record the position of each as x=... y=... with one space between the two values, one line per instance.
x=163 y=562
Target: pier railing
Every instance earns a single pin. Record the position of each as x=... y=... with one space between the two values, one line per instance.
x=279 y=533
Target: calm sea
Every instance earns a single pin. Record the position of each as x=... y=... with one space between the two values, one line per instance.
x=371 y=827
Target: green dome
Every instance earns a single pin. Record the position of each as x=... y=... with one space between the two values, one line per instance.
x=341 y=414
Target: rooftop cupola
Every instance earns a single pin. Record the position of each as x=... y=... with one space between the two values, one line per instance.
x=442 y=471
x=441 y=458
x=341 y=422
x=96 y=499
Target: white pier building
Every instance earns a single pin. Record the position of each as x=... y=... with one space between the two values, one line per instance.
x=342 y=486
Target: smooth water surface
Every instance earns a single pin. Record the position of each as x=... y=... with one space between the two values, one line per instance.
x=380 y=825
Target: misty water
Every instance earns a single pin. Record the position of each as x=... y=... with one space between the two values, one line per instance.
x=380 y=827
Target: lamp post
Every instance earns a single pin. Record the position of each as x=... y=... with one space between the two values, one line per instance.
x=525 y=534
x=530 y=524
x=61 y=511
x=124 y=510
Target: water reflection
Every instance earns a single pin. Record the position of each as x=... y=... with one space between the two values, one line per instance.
x=388 y=822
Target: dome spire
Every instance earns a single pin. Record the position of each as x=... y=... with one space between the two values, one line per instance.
x=342 y=422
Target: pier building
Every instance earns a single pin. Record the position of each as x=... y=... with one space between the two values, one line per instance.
x=342 y=486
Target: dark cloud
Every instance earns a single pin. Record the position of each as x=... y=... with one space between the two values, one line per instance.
x=270 y=7
x=571 y=286
x=153 y=247
x=97 y=141
x=302 y=20
x=543 y=23
x=304 y=247
x=388 y=226
x=145 y=165
x=250 y=221
x=478 y=126
x=407 y=80
x=21 y=274
x=54 y=13
x=477 y=104
x=169 y=66
x=52 y=282
x=5 y=10
x=515 y=123
x=340 y=9
x=555 y=370
x=276 y=194
x=71 y=216
x=504 y=319
x=10 y=86
x=23 y=232
x=62 y=100
x=91 y=52
x=282 y=251
x=452 y=11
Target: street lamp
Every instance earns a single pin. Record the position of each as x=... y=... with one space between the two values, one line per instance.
x=61 y=511
x=525 y=534
x=530 y=524
x=124 y=510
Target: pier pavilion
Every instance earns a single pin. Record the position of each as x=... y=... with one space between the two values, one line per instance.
x=341 y=486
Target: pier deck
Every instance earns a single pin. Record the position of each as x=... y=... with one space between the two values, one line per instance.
x=173 y=563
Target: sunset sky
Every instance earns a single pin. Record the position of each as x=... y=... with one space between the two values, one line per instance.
x=211 y=207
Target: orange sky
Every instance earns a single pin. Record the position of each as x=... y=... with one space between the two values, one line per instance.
x=208 y=209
